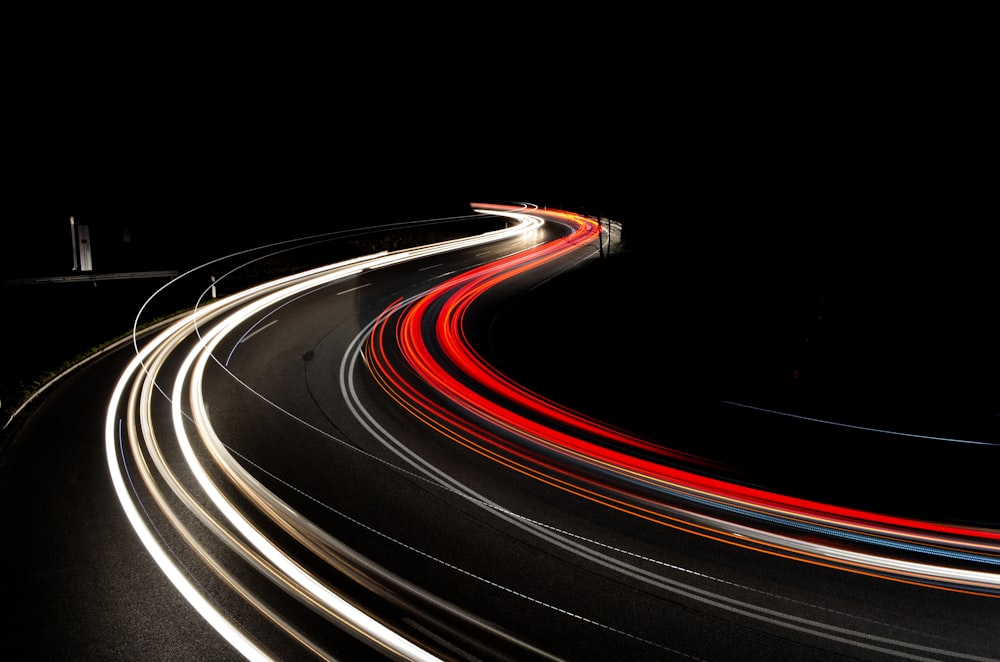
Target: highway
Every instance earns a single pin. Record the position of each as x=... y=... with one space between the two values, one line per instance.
x=326 y=465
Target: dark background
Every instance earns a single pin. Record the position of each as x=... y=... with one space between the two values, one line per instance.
x=771 y=193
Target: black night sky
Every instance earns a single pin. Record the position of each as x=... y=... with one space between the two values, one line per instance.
x=752 y=184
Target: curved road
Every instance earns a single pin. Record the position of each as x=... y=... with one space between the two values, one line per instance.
x=327 y=467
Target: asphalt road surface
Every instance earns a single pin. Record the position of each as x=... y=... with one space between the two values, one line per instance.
x=358 y=509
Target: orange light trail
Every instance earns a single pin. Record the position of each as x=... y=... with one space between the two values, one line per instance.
x=568 y=450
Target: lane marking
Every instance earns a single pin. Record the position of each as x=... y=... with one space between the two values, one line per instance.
x=353 y=289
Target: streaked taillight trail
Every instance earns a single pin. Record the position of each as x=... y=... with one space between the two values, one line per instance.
x=583 y=456
x=418 y=351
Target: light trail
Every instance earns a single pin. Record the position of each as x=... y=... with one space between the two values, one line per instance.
x=584 y=456
x=403 y=329
x=418 y=352
x=841 y=424
x=140 y=378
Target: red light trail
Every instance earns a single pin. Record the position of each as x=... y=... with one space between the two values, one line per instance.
x=420 y=353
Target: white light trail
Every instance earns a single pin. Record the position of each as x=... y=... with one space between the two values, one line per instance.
x=210 y=324
x=245 y=305
x=859 y=427
x=239 y=640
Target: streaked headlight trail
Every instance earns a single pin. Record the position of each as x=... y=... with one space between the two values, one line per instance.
x=142 y=375
x=182 y=489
